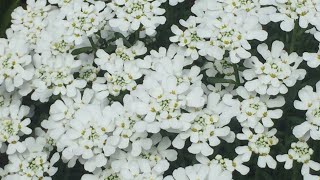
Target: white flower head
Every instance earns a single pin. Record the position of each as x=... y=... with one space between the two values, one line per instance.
x=291 y=10
x=34 y=163
x=279 y=71
x=13 y=125
x=84 y=19
x=311 y=103
x=258 y=112
x=260 y=144
x=226 y=32
x=313 y=59
x=300 y=152
x=55 y=75
x=133 y=15
x=16 y=67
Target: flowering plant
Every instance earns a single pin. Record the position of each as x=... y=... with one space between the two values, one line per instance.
x=159 y=89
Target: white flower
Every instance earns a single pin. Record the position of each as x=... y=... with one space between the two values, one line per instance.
x=13 y=124
x=30 y=22
x=6 y=99
x=310 y=177
x=311 y=103
x=313 y=59
x=205 y=131
x=88 y=71
x=307 y=97
x=63 y=111
x=291 y=10
x=207 y=127
x=150 y=163
x=84 y=19
x=249 y=8
x=15 y=67
x=120 y=77
x=161 y=102
x=44 y=136
x=301 y=153
x=33 y=163
x=54 y=76
x=197 y=171
x=279 y=71
x=188 y=38
x=107 y=173
x=260 y=144
x=122 y=53
x=226 y=32
x=133 y=14
x=127 y=130
x=175 y=2
x=86 y=137
x=224 y=165
x=258 y=112
x=52 y=38
x=170 y=62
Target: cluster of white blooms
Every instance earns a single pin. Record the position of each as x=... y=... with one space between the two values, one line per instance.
x=87 y=83
x=276 y=74
x=215 y=31
x=224 y=32
x=310 y=102
x=217 y=168
x=313 y=59
x=301 y=153
x=13 y=124
x=257 y=112
x=150 y=164
x=121 y=66
x=131 y=15
x=288 y=11
x=30 y=22
x=260 y=144
x=207 y=127
x=16 y=67
x=34 y=163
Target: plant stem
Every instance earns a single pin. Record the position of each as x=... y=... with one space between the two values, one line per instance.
x=236 y=73
x=93 y=44
x=293 y=38
x=213 y=80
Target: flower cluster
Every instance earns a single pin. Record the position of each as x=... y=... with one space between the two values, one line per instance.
x=135 y=90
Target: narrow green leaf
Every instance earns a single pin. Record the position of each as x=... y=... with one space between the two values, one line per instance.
x=236 y=73
x=81 y=50
x=110 y=48
x=214 y=80
x=94 y=46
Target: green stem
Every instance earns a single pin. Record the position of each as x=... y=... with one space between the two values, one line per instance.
x=214 y=80
x=236 y=73
x=92 y=44
x=293 y=38
x=295 y=172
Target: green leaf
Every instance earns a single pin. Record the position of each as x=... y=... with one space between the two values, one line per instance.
x=81 y=50
x=110 y=49
x=6 y=8
x=236 y=73
x=214 y=80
